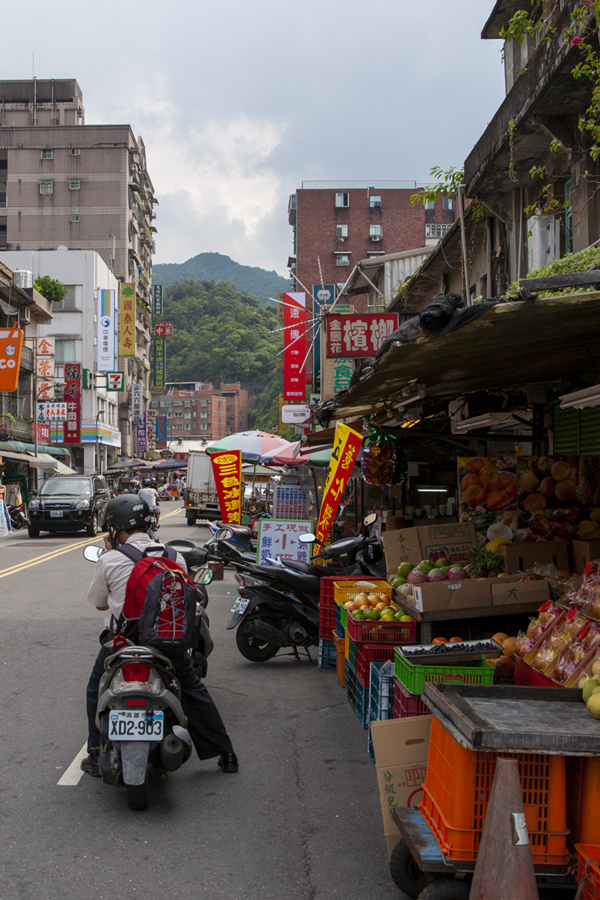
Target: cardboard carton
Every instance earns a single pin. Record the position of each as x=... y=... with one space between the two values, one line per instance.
x=428 y=542
x=479 y=592
x=401 y=747
x=583 y=552
x=520 y=557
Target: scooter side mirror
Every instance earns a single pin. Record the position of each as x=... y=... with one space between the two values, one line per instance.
x=370 y=520
x=307 y=538
x=203 y=576
x=223 y=534
x=92 y=554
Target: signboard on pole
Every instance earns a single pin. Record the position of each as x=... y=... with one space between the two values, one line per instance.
x=157 y=300
x=136 y=404
x=163 y=329
x=115 y=381
x=358 y=335
x=127 y=320
x=44 y=367
x=160 y=433
x=51 y=412
x=140 y=436
x=159 y=364
x=11 y=345
x=294 y=345
x=44 y=346
x=227 y=469
x=346 y=446
x=72 y=427
x=105 y=360
x=295 y=415
x=280 y=538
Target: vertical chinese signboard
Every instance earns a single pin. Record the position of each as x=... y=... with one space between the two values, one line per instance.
x=294 y=346
x=150 y=417
x=127 y=321
x=136 y=404
x=227 y=469
x=105 y=361
x=72 y=427
x=140 y=436
x=157 y=300
x=343 y=370
x=158 y=364
x=160 y=433
x=346 y=446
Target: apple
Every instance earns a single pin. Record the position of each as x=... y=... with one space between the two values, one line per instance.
x=560 y=470
x=565 y=491
x=474 y=496
x=529 y=482
x=547 y=487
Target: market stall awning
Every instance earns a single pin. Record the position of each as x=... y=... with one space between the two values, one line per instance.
x=512 y=344
x=35 y=462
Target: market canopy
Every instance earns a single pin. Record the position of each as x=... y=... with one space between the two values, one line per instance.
x=130 y=463
x=511 y=344
x=253 y=444
x=290 y=456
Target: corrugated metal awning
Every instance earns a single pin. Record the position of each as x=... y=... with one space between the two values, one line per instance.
x=35 y=462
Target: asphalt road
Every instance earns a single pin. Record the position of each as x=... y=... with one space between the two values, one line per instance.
x=300 y=820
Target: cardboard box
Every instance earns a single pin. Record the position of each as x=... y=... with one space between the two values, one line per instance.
x=520 y=557
x=428 y=542
x=479 y=592
x=401 y=747
x=583 y=553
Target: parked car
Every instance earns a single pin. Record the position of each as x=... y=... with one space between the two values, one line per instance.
x=69 y=503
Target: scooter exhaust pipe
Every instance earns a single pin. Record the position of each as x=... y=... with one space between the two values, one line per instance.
x=171 y=753
x=259 y=629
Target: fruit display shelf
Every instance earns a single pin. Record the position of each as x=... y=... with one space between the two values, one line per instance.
x=461 y=651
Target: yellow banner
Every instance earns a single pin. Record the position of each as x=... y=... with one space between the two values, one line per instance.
x=127 y=320
x=346 y=446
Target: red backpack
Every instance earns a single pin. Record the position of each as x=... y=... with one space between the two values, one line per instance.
x=160 y=601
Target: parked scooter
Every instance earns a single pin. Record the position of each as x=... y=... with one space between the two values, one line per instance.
x=143 y=728
x=17 y=516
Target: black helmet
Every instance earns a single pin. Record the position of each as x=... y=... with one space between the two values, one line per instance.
x=147 y=482
x=127 y=513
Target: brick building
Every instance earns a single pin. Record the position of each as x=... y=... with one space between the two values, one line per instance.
x=201 y=411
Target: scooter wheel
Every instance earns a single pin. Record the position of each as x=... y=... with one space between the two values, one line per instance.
x=254 y=648
x=137 y=795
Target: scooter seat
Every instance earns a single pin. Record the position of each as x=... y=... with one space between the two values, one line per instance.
x=308 y=568
x=237 y=530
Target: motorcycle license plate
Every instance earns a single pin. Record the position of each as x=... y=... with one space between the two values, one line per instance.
x=240 y=605
x=56 y=513
x=135 y=725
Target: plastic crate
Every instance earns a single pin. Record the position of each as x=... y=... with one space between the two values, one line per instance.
x=327 y=654
x=352 y=648
x=346 y=644
x=370 y=749
x=350 y=683
x=414 y=676
x=457 y=790
x=328 y=608
x=344 y=618
x=367 y=654
x=381 y=691
x=588 y=859
x=340 y=658
x=341 y=631
x=583 y=790
x=361 y=705
x=344 y=591
x=391 y=633
x=407 y=704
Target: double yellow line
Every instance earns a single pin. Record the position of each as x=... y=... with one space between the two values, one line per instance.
x=53 y=554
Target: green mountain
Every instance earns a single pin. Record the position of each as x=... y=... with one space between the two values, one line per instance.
x=217 y=267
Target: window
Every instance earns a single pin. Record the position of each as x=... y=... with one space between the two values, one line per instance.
x=187 y=415
x=436 y=231
x=341 y=231
x=74 y=185
x=203 y=415
x=67 y=303
x=342 y=260
x=448 y=203
x=187 y=403
x=374 y=201
x=46 y=187
x=74 y=217
x=204 y=426
x=64 y=351
x=429 y=204
x=203 y=403
x=47 y=154
x=375 y=232
x=342 y=200
x=75 y=151
x=178 y=415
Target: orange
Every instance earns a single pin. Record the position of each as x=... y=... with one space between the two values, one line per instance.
x=455 y=640
x=440 y=640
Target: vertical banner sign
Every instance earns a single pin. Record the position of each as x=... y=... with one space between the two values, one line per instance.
x=140 y=436
x=160 y=433
x=157 y=301
x=136 y=404
x=106 y=332
x=150 y=417
x=11 y=345
x=346 y=446
x=72 y=427
x=127 y=321
x=294 y=345
x=158 y=364
x=227 y=469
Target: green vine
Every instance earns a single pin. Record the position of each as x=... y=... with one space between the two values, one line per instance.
x=582 y=261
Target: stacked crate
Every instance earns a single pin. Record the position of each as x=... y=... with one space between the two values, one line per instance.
x=381 y=697
x=328 y=618
x=411 y=679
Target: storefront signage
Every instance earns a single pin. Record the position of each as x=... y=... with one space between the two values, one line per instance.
x=346 y=446
x=44 y=367
x=150 y=439
x=295 y=415
x=127 y=320
x=288 y=501
x=343 y=370
x=115 y=381
x=227 y=469
x=52 y=412
x=358 y=335
x=160 y=433
x=72 y=427
x=280 y=538
x=140 y=436
x=294 y=344
x=163 y=329
x=159 y=363
x=11 y=344
x=45 y=346
x=105 y=360
x=157 y=300
x=136 y=404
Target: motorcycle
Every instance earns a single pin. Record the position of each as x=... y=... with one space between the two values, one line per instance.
x=17 y=516
x=163 y=495
x=143 y=727
x=226 y=547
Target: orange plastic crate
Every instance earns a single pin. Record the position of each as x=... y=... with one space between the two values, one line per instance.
x=340 y=658
x=589 y=853
x=457 y=790
x=583 y=790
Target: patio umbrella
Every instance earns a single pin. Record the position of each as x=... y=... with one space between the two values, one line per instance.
x=253 y=444
x=170 y=464
x=131 y=463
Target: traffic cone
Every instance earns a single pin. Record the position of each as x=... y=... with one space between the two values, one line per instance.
x=504 y=864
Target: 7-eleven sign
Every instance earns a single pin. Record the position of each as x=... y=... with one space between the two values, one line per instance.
x=115 y=381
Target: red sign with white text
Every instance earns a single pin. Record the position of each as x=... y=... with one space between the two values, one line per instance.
x=294 y=344
x=163 y=329
x=72 y=427
x=358 y=335
x=227 y=469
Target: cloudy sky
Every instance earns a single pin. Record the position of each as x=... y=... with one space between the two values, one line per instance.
x=239 y=102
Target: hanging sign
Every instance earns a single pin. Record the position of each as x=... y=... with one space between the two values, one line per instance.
x=159 y=363
x=105 y=361
x=11 y=344
x=127 y=321
x=45 y=346
x=115 y=381
x=52 y=412
x=227 y=469
x=72 y=427
x=163 y=329
x=136 y=404
x=346 y=446
x=140 y=436
x=294 y=346
x=160 y=434
x=358 y=335
x=157 y=300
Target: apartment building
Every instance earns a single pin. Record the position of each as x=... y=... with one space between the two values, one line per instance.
x=68 y=185
x=197 y=410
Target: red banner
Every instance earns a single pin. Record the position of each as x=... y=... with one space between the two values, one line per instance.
x=227 y=469
x=358 y=335
x=346 y=447
x=294 y=346
x=72 y=427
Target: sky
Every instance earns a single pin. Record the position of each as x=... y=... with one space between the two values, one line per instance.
x=238 y=103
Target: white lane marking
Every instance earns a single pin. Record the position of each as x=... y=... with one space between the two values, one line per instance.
x=73 y=775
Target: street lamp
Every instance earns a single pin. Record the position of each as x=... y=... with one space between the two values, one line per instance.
x=98 y=461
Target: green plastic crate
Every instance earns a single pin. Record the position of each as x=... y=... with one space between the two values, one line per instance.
x=414 y=676
x=344 y=618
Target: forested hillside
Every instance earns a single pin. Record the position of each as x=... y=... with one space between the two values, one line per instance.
x=221 y=334
x=217 y=267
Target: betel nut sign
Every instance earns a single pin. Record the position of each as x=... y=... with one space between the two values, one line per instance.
x=11 y=345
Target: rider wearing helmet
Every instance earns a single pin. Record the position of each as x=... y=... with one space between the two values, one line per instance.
x=127 y=518
x=150 y=495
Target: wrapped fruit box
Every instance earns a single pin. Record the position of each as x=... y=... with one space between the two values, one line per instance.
x=564 y=650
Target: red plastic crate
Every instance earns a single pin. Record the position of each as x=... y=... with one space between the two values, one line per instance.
x=327 y=605
x=391 y=633
x=365 y=655
x=407 y=704
x=588 y=857
x=457 y=790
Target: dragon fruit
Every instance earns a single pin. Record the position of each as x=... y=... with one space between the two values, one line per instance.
x=456 y=573
x=416 y=577
x=436 y=575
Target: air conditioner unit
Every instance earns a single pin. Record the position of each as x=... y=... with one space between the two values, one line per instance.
x=376 y=204
x=74 y=218
x=375 y=237
x=342 y=261
x=75 y=151
x=25 y=315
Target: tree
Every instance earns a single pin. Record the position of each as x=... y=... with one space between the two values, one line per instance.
x=50 y=288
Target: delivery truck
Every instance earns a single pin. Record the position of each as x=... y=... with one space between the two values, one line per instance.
x=200 y=498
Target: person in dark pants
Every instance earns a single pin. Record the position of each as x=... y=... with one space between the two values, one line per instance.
x=127 y=519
